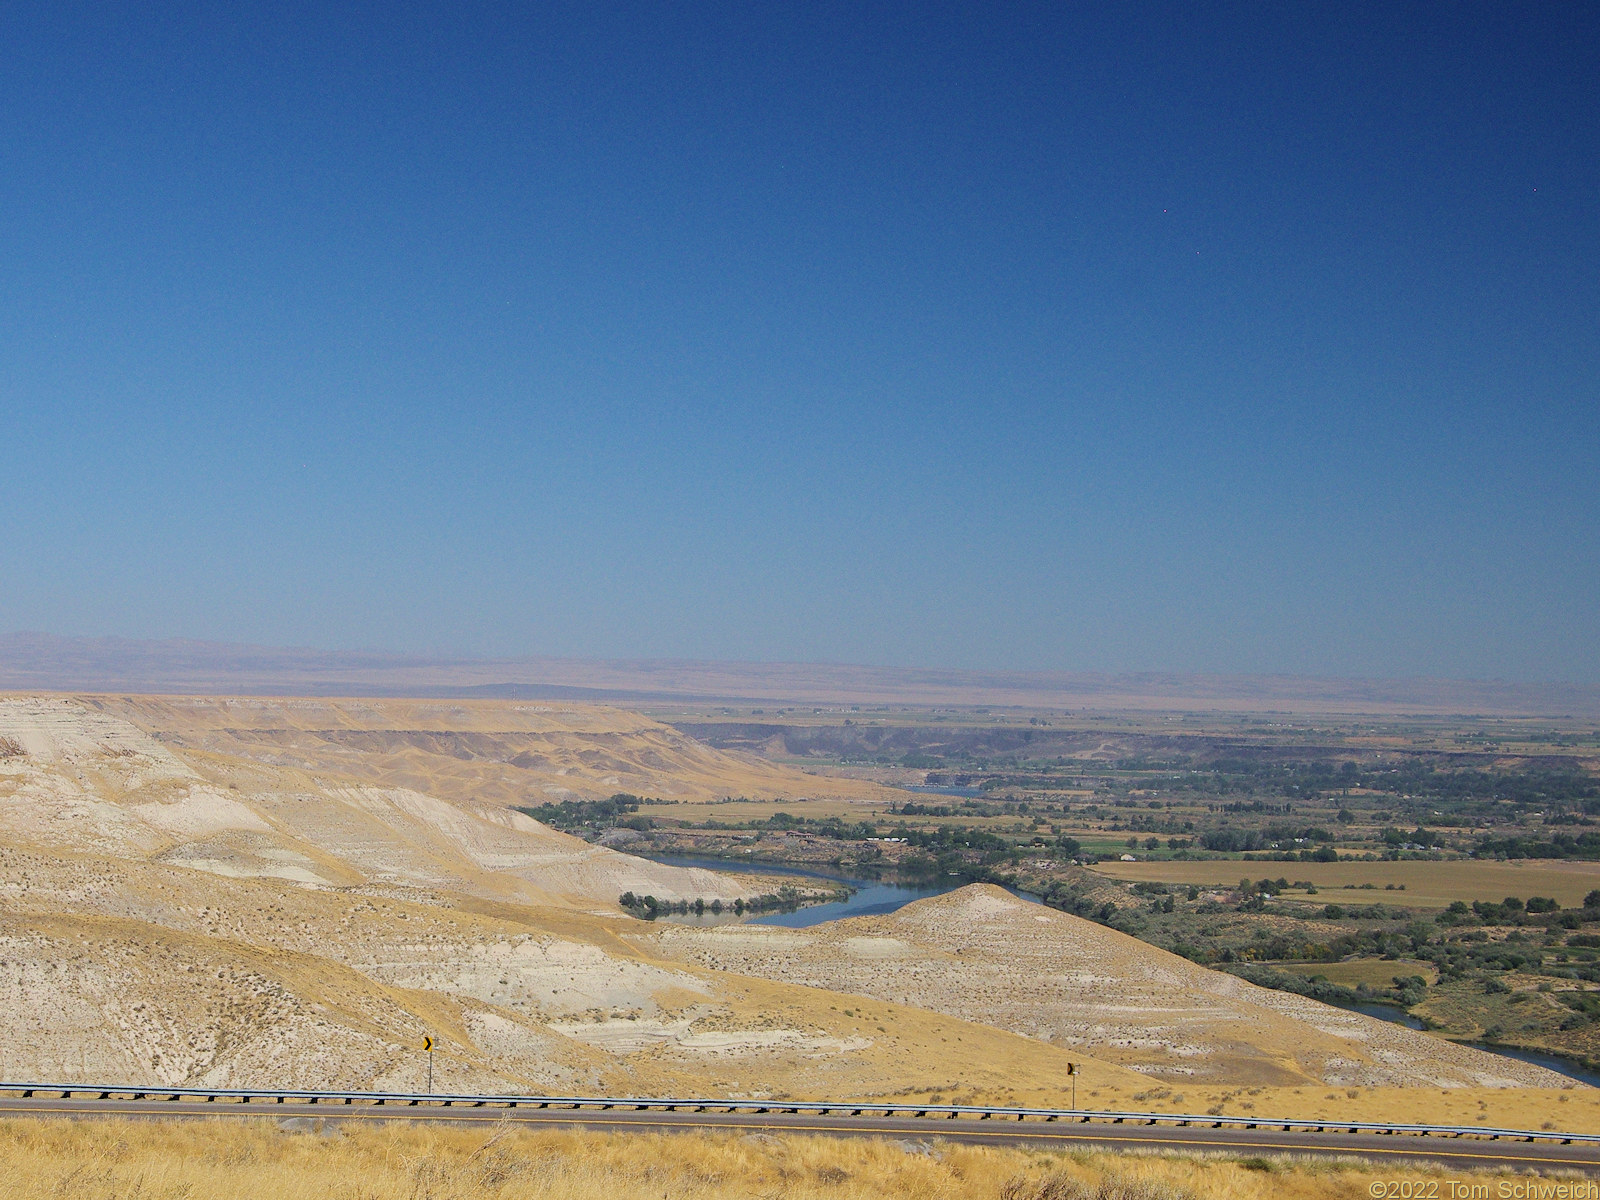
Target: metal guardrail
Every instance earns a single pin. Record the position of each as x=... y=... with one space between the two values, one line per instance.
x=68 y=1091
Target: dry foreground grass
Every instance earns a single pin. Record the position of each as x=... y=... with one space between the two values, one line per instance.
x=155 y=1160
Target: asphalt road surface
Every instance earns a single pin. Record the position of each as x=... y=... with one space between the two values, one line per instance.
x=1464 y=1153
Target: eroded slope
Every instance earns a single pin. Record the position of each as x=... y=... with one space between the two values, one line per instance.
x=986 y=956
x=157 y=973
x=475 y=752
x=183 y=916
x=85 y=779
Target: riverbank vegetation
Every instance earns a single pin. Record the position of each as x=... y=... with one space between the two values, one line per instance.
x=1454 y=862
x=786 y=899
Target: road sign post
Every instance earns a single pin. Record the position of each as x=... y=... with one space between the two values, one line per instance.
x=1072 y=1070
x=427 y=1044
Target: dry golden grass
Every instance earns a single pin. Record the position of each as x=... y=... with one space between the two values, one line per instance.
x=1375 y=972
x=1427 y=884
x=196 y=1160
x=1572 y=1110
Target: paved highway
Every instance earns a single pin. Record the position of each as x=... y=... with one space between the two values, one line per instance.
x=1462 y=1153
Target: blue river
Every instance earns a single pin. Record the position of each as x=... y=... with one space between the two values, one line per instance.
x=1552 y=1062
x=867 y=897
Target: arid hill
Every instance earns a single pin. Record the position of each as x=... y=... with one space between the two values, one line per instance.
x=986 y=956
x=226 y=892
x=88 y=780
x=483 y=754
x=176 y=915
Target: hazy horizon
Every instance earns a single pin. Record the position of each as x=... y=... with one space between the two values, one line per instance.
x=33 y=662
x=387 y=653
x=1235 y=341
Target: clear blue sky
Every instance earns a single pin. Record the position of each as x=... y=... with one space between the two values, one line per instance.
x=1230 y=338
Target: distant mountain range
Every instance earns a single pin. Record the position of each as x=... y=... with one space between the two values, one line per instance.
x=45 y=662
